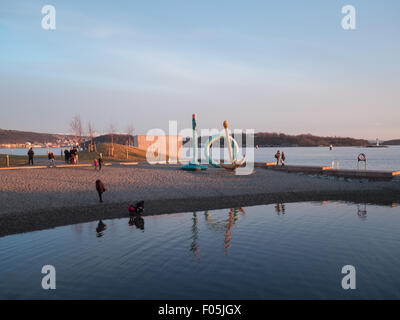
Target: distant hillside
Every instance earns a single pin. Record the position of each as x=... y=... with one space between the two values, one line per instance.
x=261 y=139
x=21 y=137
x=304 y=140
x=395 y=142
x=267 y=139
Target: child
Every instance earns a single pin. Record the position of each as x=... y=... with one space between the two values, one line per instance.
x=95 y=164
x=100 y=189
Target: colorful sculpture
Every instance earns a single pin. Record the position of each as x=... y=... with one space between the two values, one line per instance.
x=194 y=165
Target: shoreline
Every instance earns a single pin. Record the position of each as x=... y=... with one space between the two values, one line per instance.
x=41 y=199
x=42 y=219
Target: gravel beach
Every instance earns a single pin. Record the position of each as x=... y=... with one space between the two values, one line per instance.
x=44 y=198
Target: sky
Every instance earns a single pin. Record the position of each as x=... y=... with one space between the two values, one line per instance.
x=275 y=66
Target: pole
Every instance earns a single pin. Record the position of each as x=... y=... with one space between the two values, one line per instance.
x=194 y=127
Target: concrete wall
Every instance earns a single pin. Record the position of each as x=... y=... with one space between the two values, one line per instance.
x=161 y=148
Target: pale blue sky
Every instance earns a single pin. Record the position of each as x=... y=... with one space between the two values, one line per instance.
x=284 y=66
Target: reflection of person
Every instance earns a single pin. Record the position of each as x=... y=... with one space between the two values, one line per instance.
x=30 y=156
x=137 y=221
x=100 y=189
x=100 y=228
x=362 y=211
x=280 y=207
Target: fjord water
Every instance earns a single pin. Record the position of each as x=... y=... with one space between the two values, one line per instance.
x=294 y=250
x=341 y=157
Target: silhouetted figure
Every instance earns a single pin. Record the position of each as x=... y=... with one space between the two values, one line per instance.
x=283 y=158
x=100 y=162
x=100 y=189
x=66 y=156
x=277 y=157
x=100 y=228
x=31 y=153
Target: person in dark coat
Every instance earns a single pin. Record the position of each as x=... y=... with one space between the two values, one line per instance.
x=100 y=189
x=277 y=157
x=100 y=161
x=66 y=156
x=30 y=156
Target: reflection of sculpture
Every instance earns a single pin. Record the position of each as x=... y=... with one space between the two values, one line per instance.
x=195 y=230
x=226 y=225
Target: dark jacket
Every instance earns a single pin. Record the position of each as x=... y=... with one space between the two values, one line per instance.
x=100 y=186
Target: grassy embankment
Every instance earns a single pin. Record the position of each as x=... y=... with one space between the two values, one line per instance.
x=120 y=155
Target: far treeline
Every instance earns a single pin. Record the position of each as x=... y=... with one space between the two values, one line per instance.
x=268 y=139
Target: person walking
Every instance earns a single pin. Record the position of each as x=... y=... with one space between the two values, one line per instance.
x=100 y=161
x=31 y=153
x=96 y=164
x=283 y=159
x=277 y=157
x=100 y=189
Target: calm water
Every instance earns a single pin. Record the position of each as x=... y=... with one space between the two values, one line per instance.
x=343 y=157
x=263 y=252
x=38 y=151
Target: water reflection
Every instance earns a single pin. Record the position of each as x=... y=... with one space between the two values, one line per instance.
x=280 y=208
x=362 y=211
x=194 y=247
x=137 y=221
x=101 y=226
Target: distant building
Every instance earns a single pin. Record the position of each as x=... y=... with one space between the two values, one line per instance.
x=160 y=148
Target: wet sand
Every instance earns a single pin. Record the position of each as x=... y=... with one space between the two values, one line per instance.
x=45 y=198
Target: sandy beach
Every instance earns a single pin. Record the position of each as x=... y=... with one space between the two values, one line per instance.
x=44 y=198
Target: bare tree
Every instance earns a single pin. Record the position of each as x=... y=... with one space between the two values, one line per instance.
x=76 y=128
x=129 y=131
x=112 y=132
x=91 y=135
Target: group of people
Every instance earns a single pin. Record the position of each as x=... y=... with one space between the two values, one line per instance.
x=280 y=158
x=71 y=156
x=98 y=163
